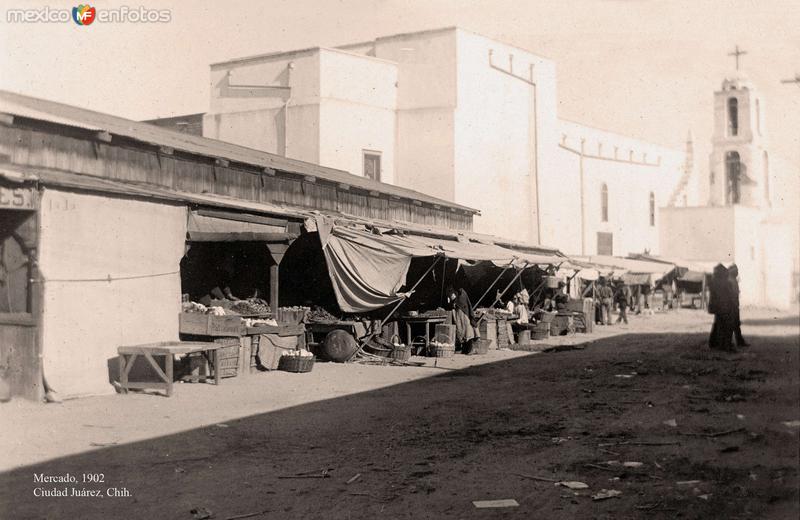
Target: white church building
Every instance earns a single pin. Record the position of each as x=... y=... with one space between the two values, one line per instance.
x=458 y=116
x=731 y=215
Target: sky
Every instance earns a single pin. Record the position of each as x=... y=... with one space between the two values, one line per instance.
x=643 y=68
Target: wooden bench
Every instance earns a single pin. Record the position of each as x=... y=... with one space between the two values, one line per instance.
x=128 y=355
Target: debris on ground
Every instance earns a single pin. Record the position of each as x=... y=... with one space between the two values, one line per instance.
x=792 y=424
x=714 y=434
x=633 y=464
x=248 y=515
x=325 y=473
x=534 y=477
x=606 y=494
x=572 y=484
x=687 y=482
x=506 y=502
x=354 y=478
x=201 y=513
x=671 y=422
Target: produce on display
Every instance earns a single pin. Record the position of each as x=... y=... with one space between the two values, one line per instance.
x=193 y=307
x=257 y=323
x=251 y=306
x=297 y=353
x=437 y=313
x=216 y=311
x=320 y=315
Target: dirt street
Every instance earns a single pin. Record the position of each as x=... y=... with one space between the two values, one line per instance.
x=646 y=410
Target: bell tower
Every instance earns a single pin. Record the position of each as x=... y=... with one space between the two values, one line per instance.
x=739 y=162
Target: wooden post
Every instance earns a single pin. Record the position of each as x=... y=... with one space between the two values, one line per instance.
x=703 y=302
x=273 y=288
x=277 y=250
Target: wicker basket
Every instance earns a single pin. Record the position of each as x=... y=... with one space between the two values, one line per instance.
x=401 y=353
x=442 y=350
x=540 y=331
x=296 y=364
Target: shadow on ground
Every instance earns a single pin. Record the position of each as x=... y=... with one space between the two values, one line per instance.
x=428 y=448
x=778 y=320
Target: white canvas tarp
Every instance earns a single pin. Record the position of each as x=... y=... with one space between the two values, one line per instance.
x=368 y=269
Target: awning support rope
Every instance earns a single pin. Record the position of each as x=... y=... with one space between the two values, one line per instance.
x=479 y=300
x=366 y=339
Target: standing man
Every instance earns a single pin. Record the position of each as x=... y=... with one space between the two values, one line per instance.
x=621 y=299
x=720 y=304
x=733 y=273
x=606 y=301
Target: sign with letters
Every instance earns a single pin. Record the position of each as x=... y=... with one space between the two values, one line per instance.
x=18 y=198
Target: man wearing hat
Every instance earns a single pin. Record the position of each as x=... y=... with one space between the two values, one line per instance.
x=733 y=273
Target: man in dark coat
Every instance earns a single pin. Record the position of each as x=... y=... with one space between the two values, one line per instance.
x=733 y=272
x=721 y=306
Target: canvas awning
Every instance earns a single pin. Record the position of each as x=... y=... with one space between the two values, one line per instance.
x=368 y=268
x=692 y=277
x=637 y=279
x=659 y=269
x=223 y=226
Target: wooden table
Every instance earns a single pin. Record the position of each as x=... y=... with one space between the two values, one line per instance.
x=421 y=320
x=128 y=355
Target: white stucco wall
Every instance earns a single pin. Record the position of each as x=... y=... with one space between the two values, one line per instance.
x=284 y=120
x=426 y=100
x=758 y=242
x=496 y=134
x=425 y=159
x=333 y=105
x=698 y=233
x=630 y=168
x=88 y=237
x=357 y=111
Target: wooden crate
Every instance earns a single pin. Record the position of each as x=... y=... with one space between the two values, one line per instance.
x=193 y=323
x=562 y=325
x=228 y=356
x=208 y=325
x=270 y=347
x=504 y=336
x=488 y=330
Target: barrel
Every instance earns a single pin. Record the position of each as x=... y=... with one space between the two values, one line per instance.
x=338 y=345
x=524 y=337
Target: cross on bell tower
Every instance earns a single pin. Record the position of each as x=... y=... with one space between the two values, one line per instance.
x=739 y=161
x=736 y=53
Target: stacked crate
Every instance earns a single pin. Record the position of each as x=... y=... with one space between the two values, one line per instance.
x=504 y=337
x=488 y=330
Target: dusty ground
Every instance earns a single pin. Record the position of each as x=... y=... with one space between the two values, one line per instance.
x=426 y=447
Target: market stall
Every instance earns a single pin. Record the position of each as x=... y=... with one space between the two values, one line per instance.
x=231 y=264
x=369 y=270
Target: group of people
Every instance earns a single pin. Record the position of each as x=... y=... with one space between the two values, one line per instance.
x=466 y=323
x=609 y=296
x=726 y=333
